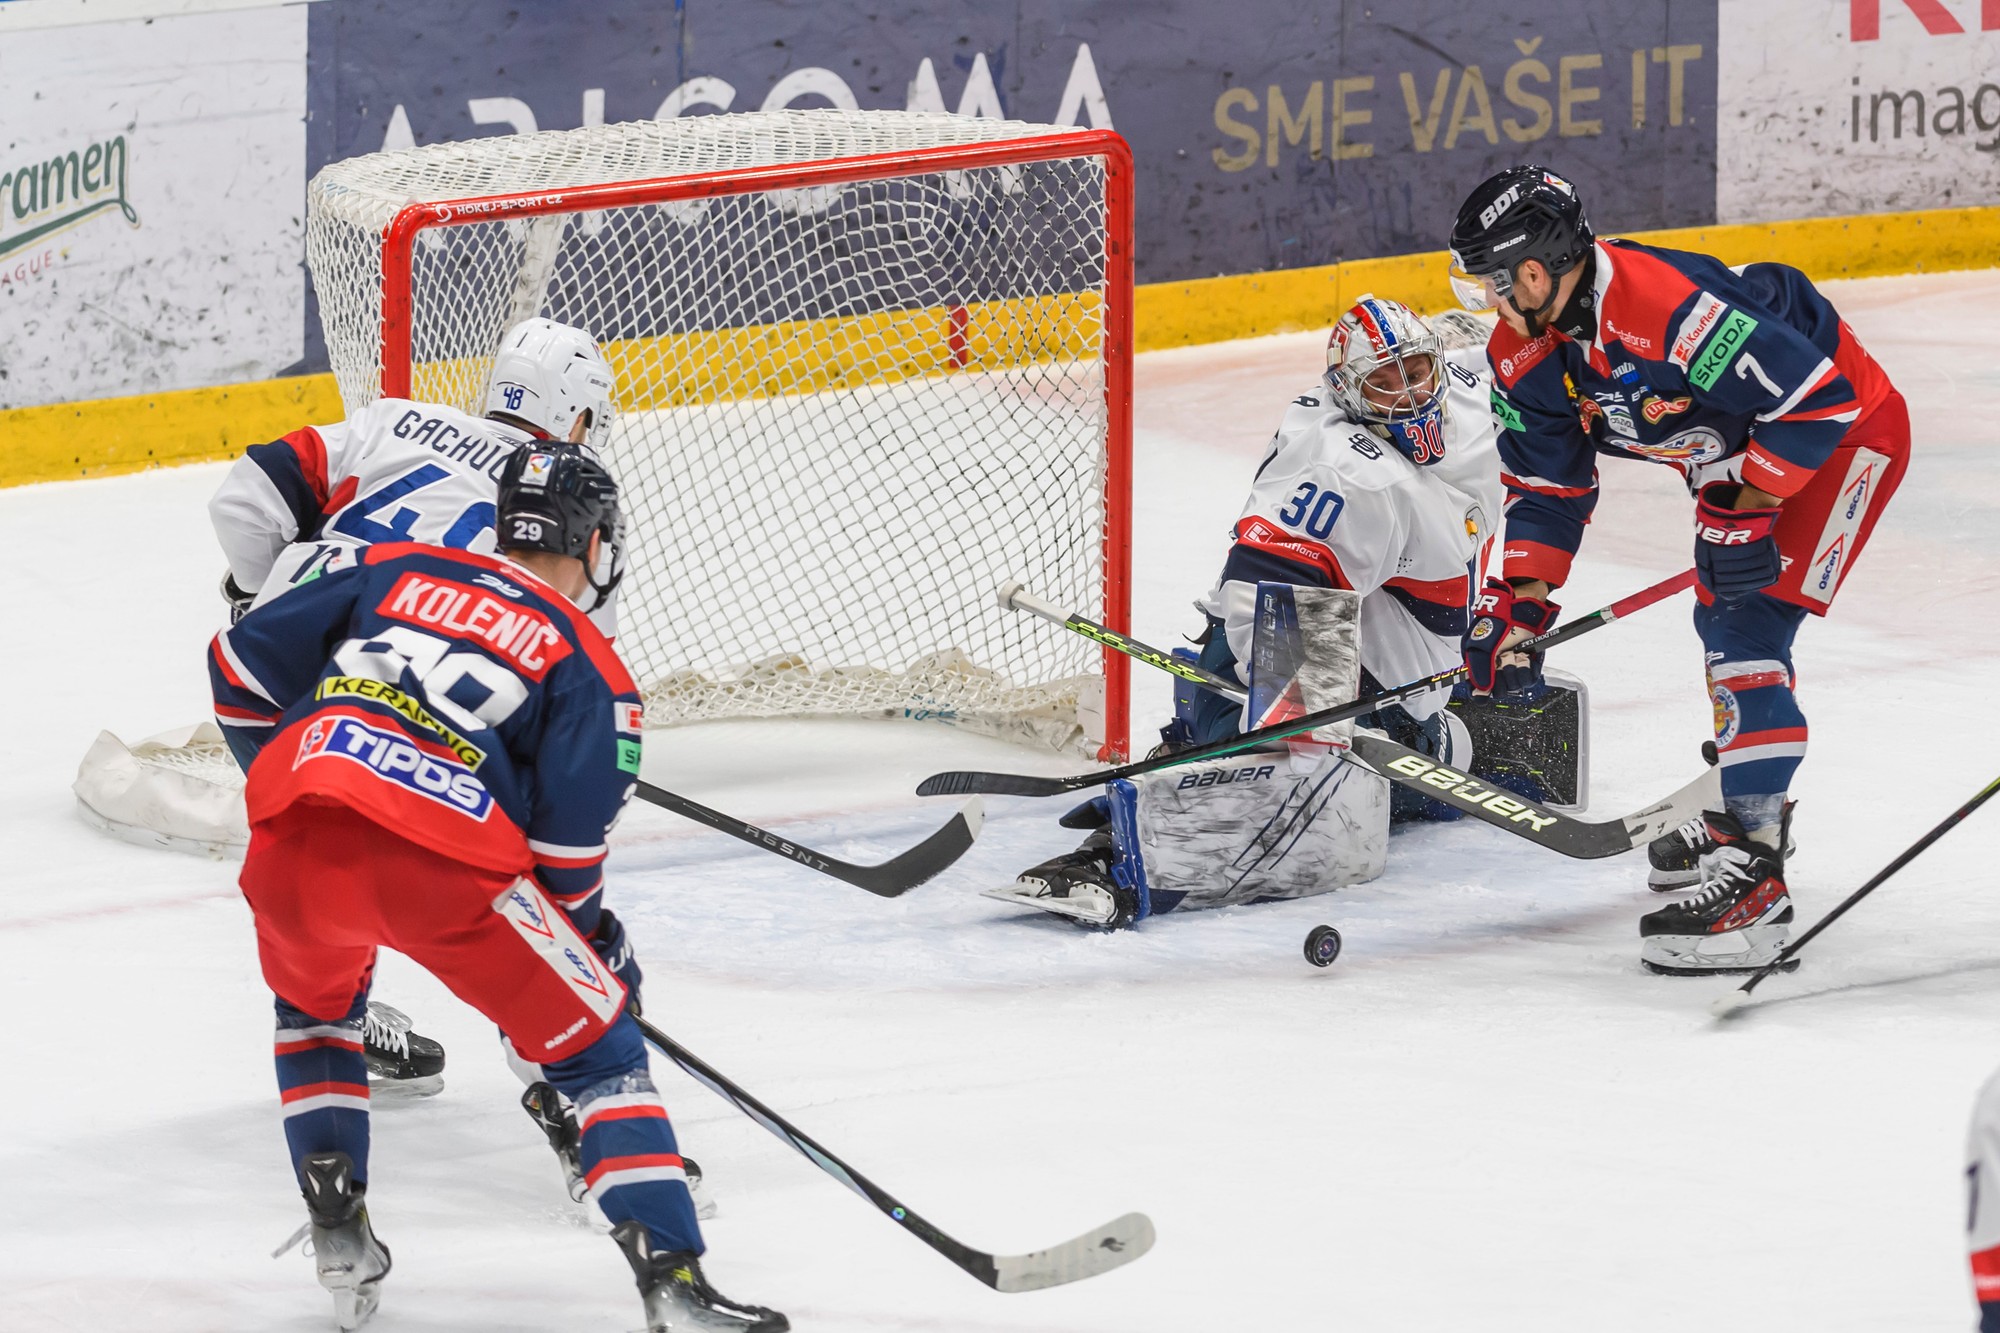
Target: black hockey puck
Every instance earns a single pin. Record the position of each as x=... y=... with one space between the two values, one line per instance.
x=1322 y=946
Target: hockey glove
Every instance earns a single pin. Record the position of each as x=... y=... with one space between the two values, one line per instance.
x=239 y=600
x=1498 y=612
x=1734 y=551
x=616 y=951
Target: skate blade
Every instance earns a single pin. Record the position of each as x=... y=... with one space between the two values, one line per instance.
x=1672 y=881
x=1669 y=970
x=1076 y=909
x=354 y=1306
x=1749 y=949
x=405 y=1089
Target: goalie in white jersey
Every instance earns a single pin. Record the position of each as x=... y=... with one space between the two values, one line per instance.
x=405 y=471
x=1370 y=516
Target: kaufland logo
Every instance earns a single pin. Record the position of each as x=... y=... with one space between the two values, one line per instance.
x=1865 y=17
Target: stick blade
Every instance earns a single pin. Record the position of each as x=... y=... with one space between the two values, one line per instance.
x=960 y=783
x=1730 y=1005
x=1110 y=1246
x=923 y=862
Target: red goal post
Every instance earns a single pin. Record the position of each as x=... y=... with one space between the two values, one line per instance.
x=920 y=362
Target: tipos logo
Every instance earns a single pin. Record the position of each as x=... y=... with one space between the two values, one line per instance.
x=41 y=198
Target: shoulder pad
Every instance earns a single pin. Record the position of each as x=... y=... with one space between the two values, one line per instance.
x=1644 y=293
x=1514 y=356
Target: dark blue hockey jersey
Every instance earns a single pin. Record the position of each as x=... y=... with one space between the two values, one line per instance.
x=1692 y=363
x=453 y=698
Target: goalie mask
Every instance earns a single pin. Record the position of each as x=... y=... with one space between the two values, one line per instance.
x=548 y=374
x=1384 y=368
x=552 y=500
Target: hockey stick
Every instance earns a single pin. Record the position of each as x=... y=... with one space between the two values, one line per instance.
x=1110 y=1246
x=960 y=783
x=889 y=880
x=1581 y=838
x=1736 y=999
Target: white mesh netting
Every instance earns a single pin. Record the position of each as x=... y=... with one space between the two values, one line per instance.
x=848 y=413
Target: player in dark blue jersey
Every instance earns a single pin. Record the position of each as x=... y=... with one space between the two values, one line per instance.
x=1791 y=440
x=437 y=743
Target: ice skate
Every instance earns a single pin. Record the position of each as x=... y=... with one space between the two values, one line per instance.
x=1076 y=885
x=1676 y=857
x=1739 y=922
x=679 y=1299
x=400 y=1061
x=350 y=1260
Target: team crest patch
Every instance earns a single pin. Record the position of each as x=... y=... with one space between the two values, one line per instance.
x=396 y=759
x=1728 y=715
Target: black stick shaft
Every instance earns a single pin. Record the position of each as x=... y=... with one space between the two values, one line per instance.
x=972 y=1261
x=1916 y=849
x=949 y=783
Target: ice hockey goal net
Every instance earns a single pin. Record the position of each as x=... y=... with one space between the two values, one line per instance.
x=872 y=365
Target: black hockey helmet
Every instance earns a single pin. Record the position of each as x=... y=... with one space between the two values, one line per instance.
x=552 y=498
x=1525 y=212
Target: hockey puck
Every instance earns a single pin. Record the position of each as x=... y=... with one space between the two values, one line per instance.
x=1322 y=946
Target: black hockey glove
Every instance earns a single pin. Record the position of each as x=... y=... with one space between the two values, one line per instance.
x=1498 y=612
x=239 y=600
x=616 y=951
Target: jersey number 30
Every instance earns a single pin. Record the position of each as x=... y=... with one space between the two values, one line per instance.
x=1312 y=510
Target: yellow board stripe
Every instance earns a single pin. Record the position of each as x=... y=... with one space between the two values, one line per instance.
x=113 y=435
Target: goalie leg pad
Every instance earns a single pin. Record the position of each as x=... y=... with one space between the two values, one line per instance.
x=1247 y=828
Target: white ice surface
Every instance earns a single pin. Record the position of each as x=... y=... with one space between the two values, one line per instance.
x=1485 y=1116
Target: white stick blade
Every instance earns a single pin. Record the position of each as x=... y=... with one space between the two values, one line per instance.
x=1704 y=793
x=1728 y=1006
x=973 y=812
x=1112 y=1245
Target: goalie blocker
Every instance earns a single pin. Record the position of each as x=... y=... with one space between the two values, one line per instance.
x=1294 y=821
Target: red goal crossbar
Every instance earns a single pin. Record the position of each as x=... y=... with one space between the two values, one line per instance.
x=398 y=304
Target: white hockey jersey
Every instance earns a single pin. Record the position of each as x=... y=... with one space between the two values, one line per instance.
x=394 y=471
x=1348 y=506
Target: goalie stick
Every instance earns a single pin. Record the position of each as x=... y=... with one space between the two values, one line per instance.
x=1581 y=838
x=962 y=783
x=889 y=880
x=1736 y=999
x=1113 y=1245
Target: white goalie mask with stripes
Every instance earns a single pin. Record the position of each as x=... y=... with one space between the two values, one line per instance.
x=1385 y=370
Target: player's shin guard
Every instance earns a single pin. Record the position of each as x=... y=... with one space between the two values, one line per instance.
x=1760 y=734
x=323 y=1085
x=629 y=1157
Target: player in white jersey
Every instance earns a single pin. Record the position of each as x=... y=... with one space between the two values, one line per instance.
x=1383 y=482
x=404 y=471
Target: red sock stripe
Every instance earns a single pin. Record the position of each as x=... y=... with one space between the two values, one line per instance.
x=611 y=1164
x=1776 y=736
x=625 y=1113
x=317 y=1044
x=306 y=1090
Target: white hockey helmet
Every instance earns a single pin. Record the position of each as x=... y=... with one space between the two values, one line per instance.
x=547 y=374
x=1404 y=406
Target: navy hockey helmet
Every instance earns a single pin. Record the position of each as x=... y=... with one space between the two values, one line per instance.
x=1526 y=212
x=552 y=498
